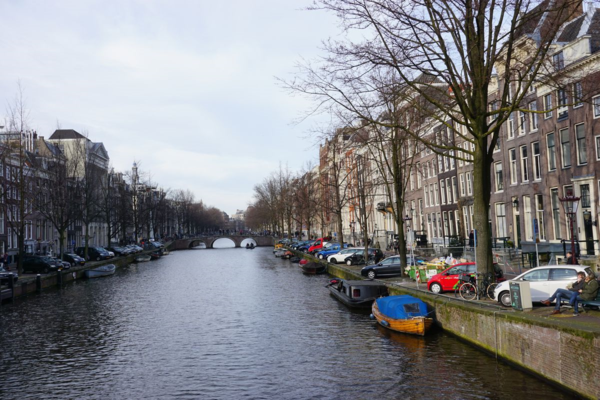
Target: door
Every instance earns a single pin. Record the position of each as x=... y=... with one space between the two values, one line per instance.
x=518 y=231
x=589 y=232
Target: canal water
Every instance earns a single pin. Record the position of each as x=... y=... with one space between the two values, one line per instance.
x=229 y=324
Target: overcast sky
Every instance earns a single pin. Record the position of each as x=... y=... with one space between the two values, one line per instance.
x=186 y=88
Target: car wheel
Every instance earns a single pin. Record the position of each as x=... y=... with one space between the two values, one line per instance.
x=348 y=262
x=505 y=298
x=436 y=288
x=46 y=270
x=320 y=256
x=98 y=258
x=333 y=261
x=372 y=274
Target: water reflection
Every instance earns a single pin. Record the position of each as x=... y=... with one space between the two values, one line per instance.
x=229 y=324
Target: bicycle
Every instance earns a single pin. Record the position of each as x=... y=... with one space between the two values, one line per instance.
x=469 y=289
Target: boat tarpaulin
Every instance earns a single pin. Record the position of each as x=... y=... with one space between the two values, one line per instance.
x=402 y=307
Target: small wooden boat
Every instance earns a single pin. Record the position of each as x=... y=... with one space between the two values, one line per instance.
x=313 y=268
x=142 y=258
x=280 y=252
x=403 y=313
x=356 y=294
x=104 y=270
x=294 y=259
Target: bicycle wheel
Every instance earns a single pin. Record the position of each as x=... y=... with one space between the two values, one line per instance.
x=467 y=291
x=490 y=290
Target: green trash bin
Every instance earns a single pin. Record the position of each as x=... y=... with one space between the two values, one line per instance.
x=413 y=273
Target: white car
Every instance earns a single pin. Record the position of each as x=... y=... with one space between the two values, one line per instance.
x=543 y=281
x=343 y=255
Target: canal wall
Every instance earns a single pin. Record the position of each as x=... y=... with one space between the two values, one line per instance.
x=551 y=349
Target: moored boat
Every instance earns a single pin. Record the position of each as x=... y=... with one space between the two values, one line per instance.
x=356 y=294
x=403 y=313
x=104 y=270
x=313 y=268
x=155 y=255
x=142 y=258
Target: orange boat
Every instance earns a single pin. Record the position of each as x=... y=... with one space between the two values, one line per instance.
x=403 y=313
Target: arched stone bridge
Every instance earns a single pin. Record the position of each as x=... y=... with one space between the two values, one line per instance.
x=182 y=244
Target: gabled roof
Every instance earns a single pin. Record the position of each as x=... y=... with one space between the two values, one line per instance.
x=61 y=134
x=571 y=30
x=99 y=149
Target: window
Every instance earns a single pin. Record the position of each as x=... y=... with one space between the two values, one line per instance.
x=466 y=218
x=460 y=155
x=449 y=191
x=462 y=185
x=500 y=220
x=585 y=196
x=533 y=117
x=443 y=191
x=499 y=182
x=595 y=104
x=558 y=61
x=581 y=146
x=426 y=197
x=521 y=123
x=548 y=106
x=537 y=275
x=537 y=164
x=528 y=218
x=524 y=170
x=452 y=160
x=565 y=148
x=551 y=152
x=539 y=212
x=454 y=190
x=561 y=99
x=512 y=155
x=577 y=95
x=436 y=194
x=555 y=212
x=511 y=126
x=469 y=184
x=597 y=138
x=419 y=172
x=563 y=274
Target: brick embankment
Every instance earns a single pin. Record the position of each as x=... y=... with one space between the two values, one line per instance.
x=561 y=349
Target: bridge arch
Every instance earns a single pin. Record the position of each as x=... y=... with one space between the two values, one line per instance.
x=223 y=243
x=181 y=244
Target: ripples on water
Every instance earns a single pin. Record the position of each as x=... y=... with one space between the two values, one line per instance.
x=229 y=324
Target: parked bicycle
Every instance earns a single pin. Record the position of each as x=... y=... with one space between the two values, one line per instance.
x=468 y=288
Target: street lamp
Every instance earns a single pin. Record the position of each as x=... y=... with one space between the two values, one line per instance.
x=570 y=204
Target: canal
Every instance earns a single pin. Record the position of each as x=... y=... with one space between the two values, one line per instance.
x=229 y=324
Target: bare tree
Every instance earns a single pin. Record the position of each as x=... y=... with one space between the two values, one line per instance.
x=446 y=54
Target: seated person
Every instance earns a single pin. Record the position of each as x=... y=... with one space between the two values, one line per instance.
x=565 y=294
x=588 y=292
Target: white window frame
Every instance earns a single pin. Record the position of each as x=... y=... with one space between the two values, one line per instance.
x=548 y=106
x=442 y=191
x=524 y=167
x=512 y=157
x=463 y=191
x=533 y=117
x=577 y=95
x=454 y=190
x=596 y=106
x=562 y=148
x=536 y=161
x=469 y=184
x=578 y=141
x=499 y=180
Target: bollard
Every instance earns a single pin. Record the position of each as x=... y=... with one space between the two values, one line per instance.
x=38 y=283
x=59 y=277
x=11 y=286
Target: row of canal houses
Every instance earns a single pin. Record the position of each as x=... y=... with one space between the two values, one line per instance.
x=540 y=157
x=28 y=181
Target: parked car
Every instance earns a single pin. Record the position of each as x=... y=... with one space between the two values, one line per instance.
x=543 y=281
x=74 y=259
x=391 y=266
x=359 y=257
x=318 y=244
x=6 y=276
x=94 y=253
x=447 y=279
x=343 y=255
x=305 y=246
x=64 y=264
x=37 y=264
x=332 y=248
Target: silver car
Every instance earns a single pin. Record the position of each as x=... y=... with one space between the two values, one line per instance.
x=543 y=281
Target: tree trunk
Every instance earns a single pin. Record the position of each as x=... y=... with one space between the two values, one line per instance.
x=481 y=196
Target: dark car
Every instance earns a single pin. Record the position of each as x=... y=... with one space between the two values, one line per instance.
x=6 y=276
x=119 y=251
x=74 y=259
x=41 y=264
x=359 y=257
x=94 y=253
x=389 y=267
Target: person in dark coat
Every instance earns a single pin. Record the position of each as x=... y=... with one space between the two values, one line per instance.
x=570 y=260
x=472 y=239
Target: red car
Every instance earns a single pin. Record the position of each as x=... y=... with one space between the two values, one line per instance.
x=446 y=280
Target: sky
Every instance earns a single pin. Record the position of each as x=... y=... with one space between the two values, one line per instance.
x=188 y=89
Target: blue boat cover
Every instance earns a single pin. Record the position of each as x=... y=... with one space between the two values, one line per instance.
x=402 y=307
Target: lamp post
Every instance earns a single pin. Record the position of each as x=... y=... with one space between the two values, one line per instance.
x=407 y=220
x=570 y=204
